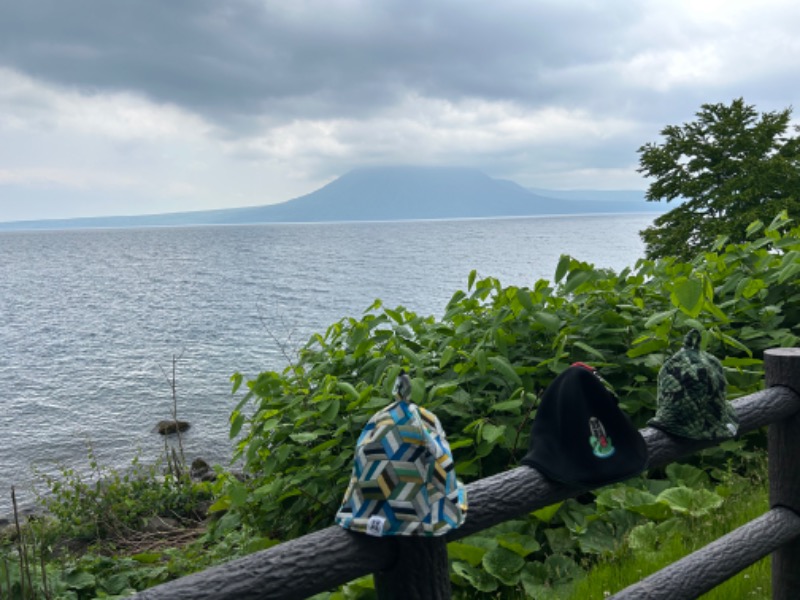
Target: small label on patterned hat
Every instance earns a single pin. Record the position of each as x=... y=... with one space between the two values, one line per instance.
x=375 y=526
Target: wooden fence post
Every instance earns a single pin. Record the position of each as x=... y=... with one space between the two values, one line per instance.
x=421 y=571
x=782 y=368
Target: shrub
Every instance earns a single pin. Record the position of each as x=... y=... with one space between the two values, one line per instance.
x=481 y=368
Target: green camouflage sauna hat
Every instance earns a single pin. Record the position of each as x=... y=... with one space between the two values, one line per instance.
x=691 y=399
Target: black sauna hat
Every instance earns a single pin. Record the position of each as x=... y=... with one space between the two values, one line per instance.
x=580 y=436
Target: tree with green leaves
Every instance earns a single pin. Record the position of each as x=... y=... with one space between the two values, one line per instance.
x=728 y=168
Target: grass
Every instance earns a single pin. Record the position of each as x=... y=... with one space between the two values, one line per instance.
x=746 y=502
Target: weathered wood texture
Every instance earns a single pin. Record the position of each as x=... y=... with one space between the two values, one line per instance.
x=293 y=570
x=422 y=571
x=710 y=566
x=519 y=491
x=325 y=559
x=782 y=369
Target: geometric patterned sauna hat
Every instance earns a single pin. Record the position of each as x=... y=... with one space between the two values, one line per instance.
x=404 y=480
x=691 y=399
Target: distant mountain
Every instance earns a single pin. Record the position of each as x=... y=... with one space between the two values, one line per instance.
x=387 y=194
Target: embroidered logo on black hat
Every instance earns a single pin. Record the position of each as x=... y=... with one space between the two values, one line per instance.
x=580 y=436
x=601 y=443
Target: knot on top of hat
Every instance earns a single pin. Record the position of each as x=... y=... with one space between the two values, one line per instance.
x=692 y=395
x=402 y=387
x=692 y=340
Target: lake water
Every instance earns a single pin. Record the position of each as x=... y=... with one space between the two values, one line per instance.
x=90 y=319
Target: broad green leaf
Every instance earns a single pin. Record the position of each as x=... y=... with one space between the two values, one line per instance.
x=260 y=543
x=116 y=584
x=237 y=493
x=478 y=578
x=503 y=564
x=331 y=411
x=236 y=379
x=550 y=321
x=687 y=475
x=748 y=287
x=464 y=551
x=720 y=242
x=410 y=355
x=237 y=420
x=396 y=316
x=576 y=279
x=323 y=446
x=687 y=295
x=347 y=389
x=562 y=569
x=634 y=500
x=644 y=537
x=504 y=367
x=695 y=502
x=518 y=543
x=480 y=359
x=658 y=318
x=147 y=558
x=447 y=356
x=754 y=227
x=731 y=341
x=622 y=496
x=598 y=538
x=647 y=347
x=524 y=298
x=455 y=299
x=228 y=522
x=464 y=443
x=442 y=389
x=375 y=305
x=781 y=219
x=560 y=540
x=491 y=433
x=561 y=269
x=508 y=405
x=588 y=349
x=656 y=511
x=788 y=272
x=533 y=573
x=223 y=504
x=547 y=513
x=738 y=363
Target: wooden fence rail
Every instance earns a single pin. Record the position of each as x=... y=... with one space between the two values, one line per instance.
x=331 y=557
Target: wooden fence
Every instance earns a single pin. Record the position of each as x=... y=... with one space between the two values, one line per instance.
x=412 y=568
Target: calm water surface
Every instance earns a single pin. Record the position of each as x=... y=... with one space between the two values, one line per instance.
x=90 y=319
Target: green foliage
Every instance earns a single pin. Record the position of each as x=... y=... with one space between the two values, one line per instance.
x=60 y=554
x=653 y=545
x=481 y=368
x=109 y=503
x=731 y=166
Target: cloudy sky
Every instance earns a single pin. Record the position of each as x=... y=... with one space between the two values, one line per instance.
x=117 y=107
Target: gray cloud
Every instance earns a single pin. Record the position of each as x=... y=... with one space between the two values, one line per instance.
x=247 y=95
x=242 y=57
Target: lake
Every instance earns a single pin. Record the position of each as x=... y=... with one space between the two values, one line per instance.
x=90 y=320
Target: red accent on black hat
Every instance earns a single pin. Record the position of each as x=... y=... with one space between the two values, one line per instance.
x=584 y=365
